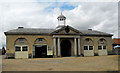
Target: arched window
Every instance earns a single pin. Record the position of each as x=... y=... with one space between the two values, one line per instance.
x=21 y=41
x=40 y=41
x=102 y=44
x=88 y=44
x=21 y=44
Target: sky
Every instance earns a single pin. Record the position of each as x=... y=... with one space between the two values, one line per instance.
x=100 y=16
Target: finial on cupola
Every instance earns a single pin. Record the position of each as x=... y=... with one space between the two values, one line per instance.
x=61 y=13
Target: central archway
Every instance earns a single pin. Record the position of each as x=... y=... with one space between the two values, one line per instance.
x=65 y=48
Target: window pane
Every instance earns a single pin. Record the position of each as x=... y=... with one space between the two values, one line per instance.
x=21 y=40
x=99 y=47
x=40 y=39
x=87 y=40
x=104 y=47
x=85 y=47
x=24 y=48
x=17 y=48
x=90 y=47
x=101 y=40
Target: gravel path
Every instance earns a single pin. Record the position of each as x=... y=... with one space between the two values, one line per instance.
x=96 y=63
x=0 y=63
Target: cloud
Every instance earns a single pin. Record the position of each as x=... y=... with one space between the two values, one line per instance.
x=98 y=16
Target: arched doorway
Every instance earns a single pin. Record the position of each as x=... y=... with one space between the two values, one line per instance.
x=40 y=50
x=21 y=48
x=102 y=47
x=88 y=47
x=65 y=48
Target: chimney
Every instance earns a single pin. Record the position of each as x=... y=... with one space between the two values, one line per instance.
x=20 y=27
x=90 y=29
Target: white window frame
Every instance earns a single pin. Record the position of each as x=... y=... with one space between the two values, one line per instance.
x=17 y=46
x=21 y=48
x=92 y=46
x=102 y=47
x=88 y=46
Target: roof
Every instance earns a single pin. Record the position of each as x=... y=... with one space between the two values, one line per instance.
x=116 y=41
x=27 y=31
x=30 y=31
x=63 y=28
x=94 y=32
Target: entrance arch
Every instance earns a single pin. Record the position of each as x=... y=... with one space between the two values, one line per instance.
x=40 y=48
x=65 y=48
x=21 y=48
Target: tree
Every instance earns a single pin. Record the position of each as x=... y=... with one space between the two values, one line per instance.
x=3 y=51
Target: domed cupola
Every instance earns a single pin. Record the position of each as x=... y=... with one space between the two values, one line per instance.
x=61 y=21
x=61 y=17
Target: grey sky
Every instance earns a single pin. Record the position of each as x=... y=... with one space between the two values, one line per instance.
x=101 y=16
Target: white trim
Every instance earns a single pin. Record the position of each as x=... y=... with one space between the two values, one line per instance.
x=102 y=47
x=39 y=44
x=75 y=46
x=89 y=52
x=79 y=48
x=54 y=47
x=21 y=54
x=88 y=46
x=58 y=46
x=21 y=45
x=65 y=36
x=21 y=48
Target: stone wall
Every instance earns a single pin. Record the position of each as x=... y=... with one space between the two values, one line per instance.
x=95 y=40
x=10 y=40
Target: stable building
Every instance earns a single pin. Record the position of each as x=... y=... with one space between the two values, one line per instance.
x=63 y=41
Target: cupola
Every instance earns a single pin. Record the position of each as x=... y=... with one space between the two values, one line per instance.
x=61 y=21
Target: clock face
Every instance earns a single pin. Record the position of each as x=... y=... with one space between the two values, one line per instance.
x=67 y=30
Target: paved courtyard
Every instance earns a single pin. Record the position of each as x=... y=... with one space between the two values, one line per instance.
x=96 y=63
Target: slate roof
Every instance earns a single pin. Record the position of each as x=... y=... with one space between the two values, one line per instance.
x=30 y=31
x=94 y=32
x=39 y=31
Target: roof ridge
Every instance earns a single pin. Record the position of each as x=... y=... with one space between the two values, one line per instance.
x=37 y=28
